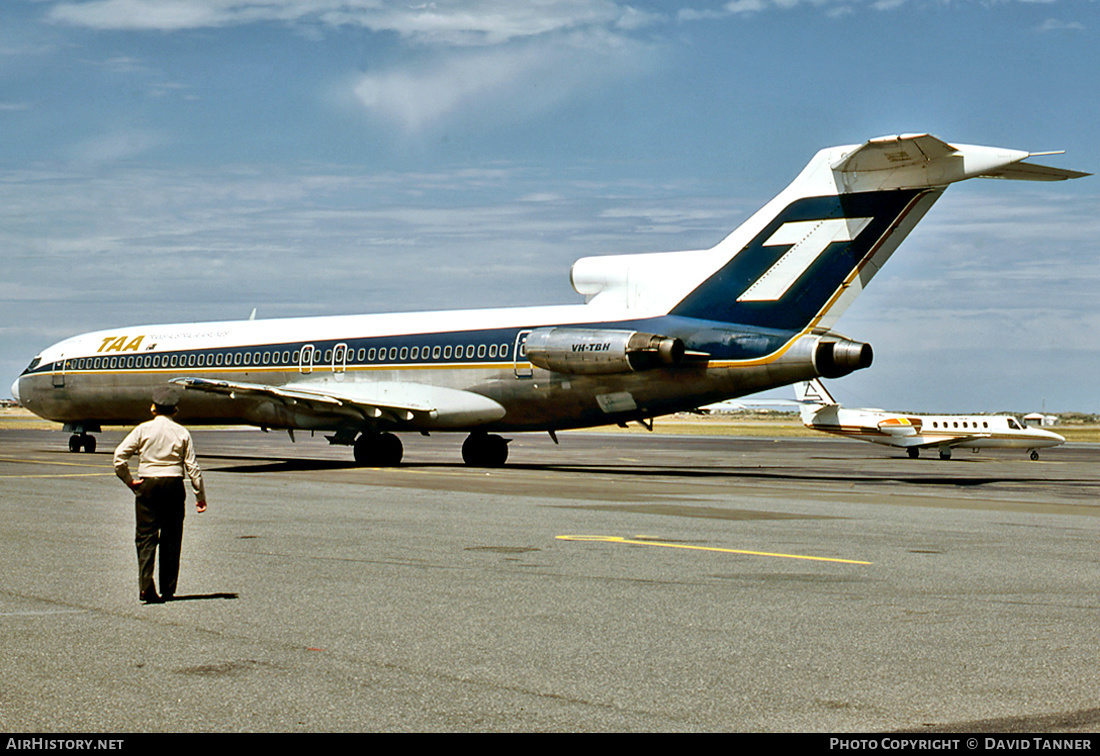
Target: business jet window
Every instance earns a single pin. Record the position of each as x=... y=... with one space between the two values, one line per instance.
x=985 y=424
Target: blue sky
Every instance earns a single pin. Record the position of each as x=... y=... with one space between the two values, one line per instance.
x=184 y=160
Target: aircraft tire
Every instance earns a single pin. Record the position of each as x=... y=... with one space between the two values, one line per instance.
x=74 y=443
x=945 y=453
x=89 y=444
x=913 y=452
x=378 y=450
x=485 y=450
x=1034 y=455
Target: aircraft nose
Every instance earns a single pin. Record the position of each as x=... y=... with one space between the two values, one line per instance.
x=15 y=390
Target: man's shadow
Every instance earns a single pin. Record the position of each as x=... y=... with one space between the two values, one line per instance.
x=202 y=597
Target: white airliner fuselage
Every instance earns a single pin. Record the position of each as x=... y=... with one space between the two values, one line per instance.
x=915 y=432
x=659 y=333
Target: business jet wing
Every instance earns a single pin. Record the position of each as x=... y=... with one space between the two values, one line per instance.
x=387 y=401
x=922 y=442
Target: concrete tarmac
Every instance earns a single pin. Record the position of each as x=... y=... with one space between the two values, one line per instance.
x=617 y=582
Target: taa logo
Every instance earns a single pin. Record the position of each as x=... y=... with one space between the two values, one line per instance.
x=120 y=344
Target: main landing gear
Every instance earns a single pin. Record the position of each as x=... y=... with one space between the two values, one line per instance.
x=82 y=441
x=385 y=449
x=378 y=450
x=485 y=450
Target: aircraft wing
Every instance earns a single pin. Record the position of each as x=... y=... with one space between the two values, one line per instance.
x=397 y=402
x=922 y=442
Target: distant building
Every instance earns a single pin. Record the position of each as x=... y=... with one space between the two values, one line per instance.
x=1038 y=419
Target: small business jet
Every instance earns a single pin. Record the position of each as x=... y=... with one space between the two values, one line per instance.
x=915 y=432
x=658 y=333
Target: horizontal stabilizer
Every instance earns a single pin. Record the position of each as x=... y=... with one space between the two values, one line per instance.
x=888 y=153
x=1034 y=172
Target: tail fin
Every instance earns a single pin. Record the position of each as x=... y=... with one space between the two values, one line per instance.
x=813 y=392
x=802 y=259
x=812 y=397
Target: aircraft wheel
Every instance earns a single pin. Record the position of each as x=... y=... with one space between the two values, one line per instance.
x=483 y=450
x=1034 y=455
x=74 y=443
x=89 y=444
x=390 y=450
x=378 y=450
x=945 y=453
x=913 y=453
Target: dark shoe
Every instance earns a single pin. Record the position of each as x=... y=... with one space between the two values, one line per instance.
x=168 y=597
x=151 y=597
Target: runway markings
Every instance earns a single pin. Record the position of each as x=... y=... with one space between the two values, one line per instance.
x=618 y=539
x=110 y=471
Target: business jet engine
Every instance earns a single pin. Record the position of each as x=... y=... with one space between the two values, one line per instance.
x=587 y=351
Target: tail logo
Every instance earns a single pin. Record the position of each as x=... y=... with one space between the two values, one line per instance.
x=808 y=240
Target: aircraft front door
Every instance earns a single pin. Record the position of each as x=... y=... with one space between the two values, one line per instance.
x=59 y=373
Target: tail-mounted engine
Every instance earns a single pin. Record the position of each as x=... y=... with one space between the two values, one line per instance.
x=836 y=356
x=585 y=351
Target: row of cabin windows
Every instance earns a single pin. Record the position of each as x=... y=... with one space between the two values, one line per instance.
x=307 y=355
x=955 y=424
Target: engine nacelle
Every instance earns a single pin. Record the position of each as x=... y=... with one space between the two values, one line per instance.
x=588 y=351
x=835 y=357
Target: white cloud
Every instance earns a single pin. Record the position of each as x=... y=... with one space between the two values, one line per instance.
x=1053 y=24
x=447 y=22
x=115 y=146
x=511 y=81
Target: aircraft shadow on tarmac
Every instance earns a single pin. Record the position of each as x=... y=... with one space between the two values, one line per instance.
x=284 y=465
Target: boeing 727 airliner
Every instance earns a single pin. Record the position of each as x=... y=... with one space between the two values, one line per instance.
x=659 y=333
x=915 y=432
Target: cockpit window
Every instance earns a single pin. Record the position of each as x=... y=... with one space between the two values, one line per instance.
x=33 y=365
x=1013 y=424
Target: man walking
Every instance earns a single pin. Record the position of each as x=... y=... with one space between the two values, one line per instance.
x=165 y=454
